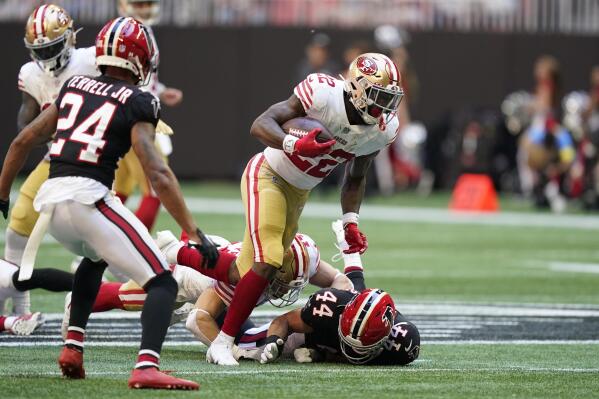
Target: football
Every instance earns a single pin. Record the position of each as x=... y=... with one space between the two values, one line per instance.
x=299 y=127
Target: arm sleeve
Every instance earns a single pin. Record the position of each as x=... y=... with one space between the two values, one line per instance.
x=144 y=108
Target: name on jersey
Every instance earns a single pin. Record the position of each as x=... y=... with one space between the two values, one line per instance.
x=92 y=86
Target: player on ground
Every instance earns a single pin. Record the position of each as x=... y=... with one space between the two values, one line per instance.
x=97 y=120
x=50 y=39
x=130 y=173
x=360 y=112
x=312 y=334
x=10 y=287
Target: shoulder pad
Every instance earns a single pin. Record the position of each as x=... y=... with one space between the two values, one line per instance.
x=314 y=91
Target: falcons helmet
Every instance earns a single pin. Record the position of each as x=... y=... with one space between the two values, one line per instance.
x=49 y=37
x=125 y=43
x=365 y=324
x=374 y=85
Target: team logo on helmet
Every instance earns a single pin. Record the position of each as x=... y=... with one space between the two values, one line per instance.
x=367 y=66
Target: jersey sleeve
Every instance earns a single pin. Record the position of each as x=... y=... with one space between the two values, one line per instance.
x=144 y=107
x=27 y=81
x=313 y=91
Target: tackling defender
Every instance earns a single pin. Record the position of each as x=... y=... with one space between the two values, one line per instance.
x=97 y=120
x=50 y=38
x=315 y=332
x=361 y=114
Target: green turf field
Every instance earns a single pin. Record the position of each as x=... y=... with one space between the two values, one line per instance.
x=420 y=261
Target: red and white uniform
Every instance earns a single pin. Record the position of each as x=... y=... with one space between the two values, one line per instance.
x=322 y=98
x=44 y=87
x=304 y=250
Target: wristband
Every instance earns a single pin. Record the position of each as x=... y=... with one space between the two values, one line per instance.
x=350 y=217
x=289 y=144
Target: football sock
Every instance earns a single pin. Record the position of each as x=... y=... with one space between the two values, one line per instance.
x=14 y=246
x=244 y=327
x=6 y=323
x=155 y=318
x=49 y=279
x=85 y=288
x=122 y=197
x=75 y=337
x=354 y=270
x=148 y=209
x=108 y=298
x=189 y=256
x=247 y=293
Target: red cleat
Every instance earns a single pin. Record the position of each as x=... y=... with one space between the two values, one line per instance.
x=71 y=363
x=152 y=378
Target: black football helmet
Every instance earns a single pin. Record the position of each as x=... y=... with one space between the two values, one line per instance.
x=403 y=344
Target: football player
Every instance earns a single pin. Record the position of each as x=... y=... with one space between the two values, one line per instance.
x=10 y=287
x=360 y=112
x=97 y=120
x=314 y=333
x=50 y=39
x=130 y=173
x=302 y=264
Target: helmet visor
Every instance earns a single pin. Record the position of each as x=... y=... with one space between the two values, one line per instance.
x=382 y=100
x=49 y=51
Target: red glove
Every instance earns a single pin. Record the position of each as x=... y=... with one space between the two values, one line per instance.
x=307 y=146
x=355 y=239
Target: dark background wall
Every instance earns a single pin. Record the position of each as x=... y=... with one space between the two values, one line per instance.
x=229 y=76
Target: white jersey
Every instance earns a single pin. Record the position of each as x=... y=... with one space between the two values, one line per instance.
x=309 y=251
x=154 y=86
x=322 y=98
x=44 y=87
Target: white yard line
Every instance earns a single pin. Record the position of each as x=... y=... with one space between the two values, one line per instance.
x=269 y=369
x=230 y=206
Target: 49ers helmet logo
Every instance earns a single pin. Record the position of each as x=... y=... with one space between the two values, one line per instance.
x=367 y=66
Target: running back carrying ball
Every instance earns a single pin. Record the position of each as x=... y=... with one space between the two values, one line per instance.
x=306 y=137
x=299 y=127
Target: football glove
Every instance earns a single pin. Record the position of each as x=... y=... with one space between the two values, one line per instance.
x=306 y=355
x=272 y=350
x=307 y=146
x=355 y=239
x=208 y=249
x=4 y=205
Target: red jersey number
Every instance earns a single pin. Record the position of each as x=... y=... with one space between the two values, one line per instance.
x=325 y=164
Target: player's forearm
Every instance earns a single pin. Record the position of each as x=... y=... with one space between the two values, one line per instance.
x=352 y=193
x=268 y=131
x=279 y=327
x=167 y=187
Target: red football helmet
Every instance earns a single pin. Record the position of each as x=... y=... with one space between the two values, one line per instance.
x=125 y=43
x=365 y=324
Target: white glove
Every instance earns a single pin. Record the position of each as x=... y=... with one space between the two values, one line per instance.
x=271 y=352
x=306 y=355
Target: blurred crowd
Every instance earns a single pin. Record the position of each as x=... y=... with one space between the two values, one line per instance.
x=541 y=143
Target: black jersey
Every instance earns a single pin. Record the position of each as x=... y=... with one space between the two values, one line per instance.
x=95 y=117
x=322 y=313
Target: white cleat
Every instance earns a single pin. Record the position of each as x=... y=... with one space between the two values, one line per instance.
x=25 y=325
x=221 y=352
x=64 y=326
x=169 y=245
